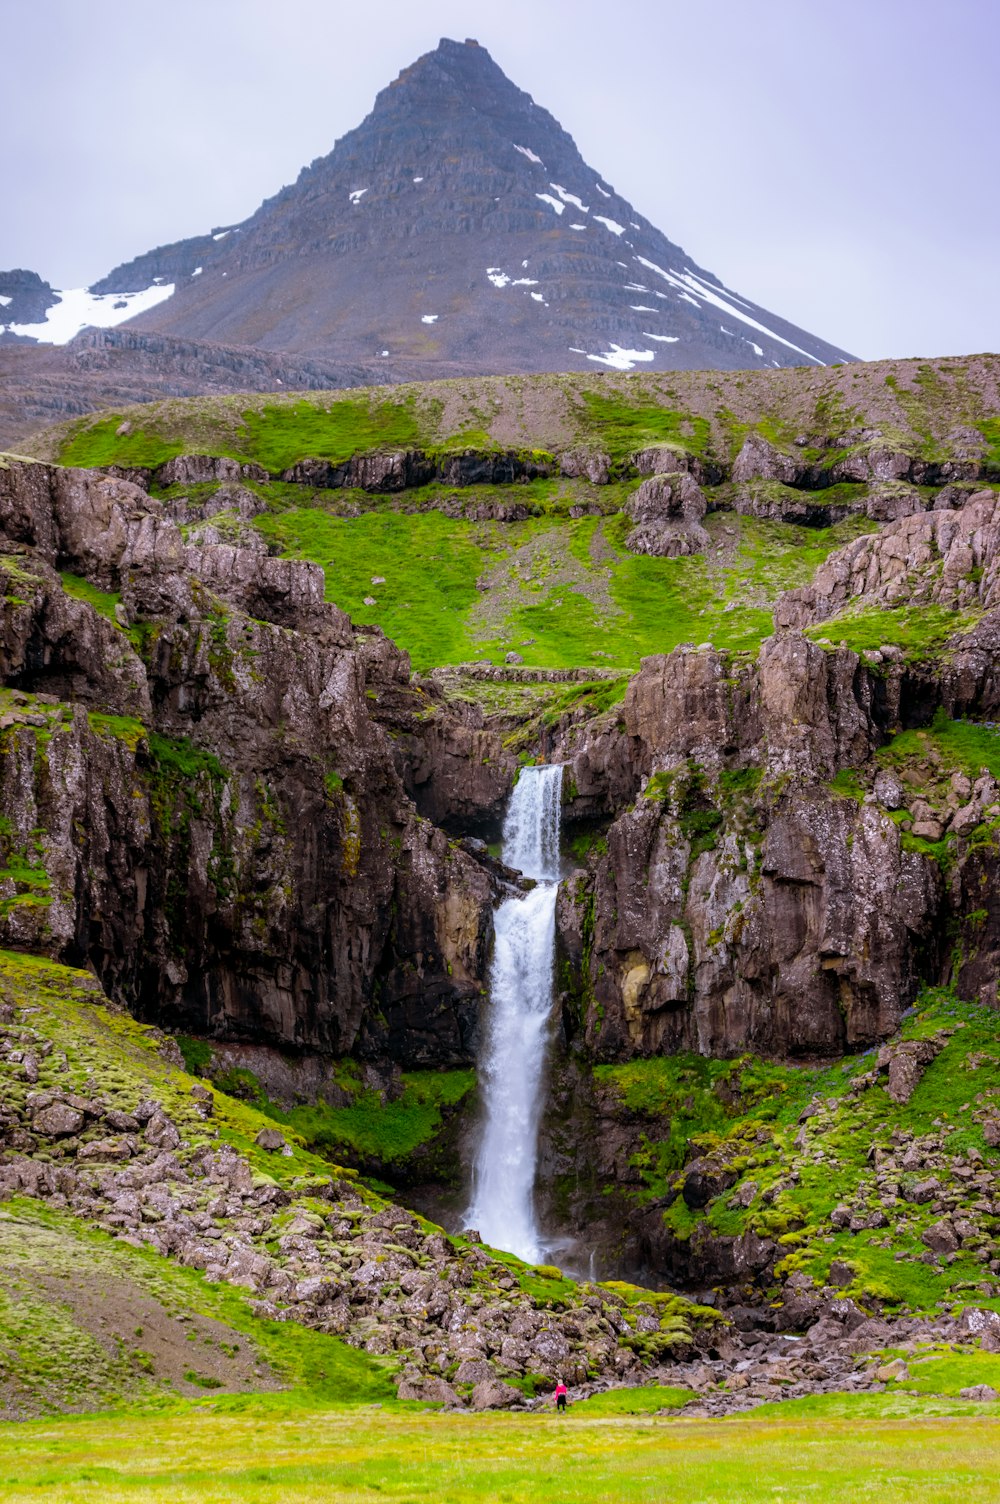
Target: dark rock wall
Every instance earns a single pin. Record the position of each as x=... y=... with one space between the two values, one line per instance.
x=205 y=805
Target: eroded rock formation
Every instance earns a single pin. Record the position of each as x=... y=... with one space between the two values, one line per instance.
x=744 y=900
x=201 y=802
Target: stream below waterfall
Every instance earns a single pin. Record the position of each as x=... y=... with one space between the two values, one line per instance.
x=513 y=1058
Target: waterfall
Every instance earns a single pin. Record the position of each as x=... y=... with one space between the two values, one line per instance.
x=511 y=1066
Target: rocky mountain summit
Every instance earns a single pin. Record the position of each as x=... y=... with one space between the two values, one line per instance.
x=456 y=230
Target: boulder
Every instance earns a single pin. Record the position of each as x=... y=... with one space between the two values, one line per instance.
x=889 y=790
x=922 y=1191
x=980 y=1321
x=105 y=1150
x=940 y=1237
x=667 y=510
x=760 y=460
x=586 y=464
x=162 y=1133
x=437 y=1391
x=906 y=1063
x=704 y=1180
x=491 y=1394
x=58 y=1121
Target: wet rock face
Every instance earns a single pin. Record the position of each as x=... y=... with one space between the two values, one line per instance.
x=209 y=811
x=453 y=769
x=700 y=950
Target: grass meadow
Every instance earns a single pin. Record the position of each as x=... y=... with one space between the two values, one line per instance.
x=260 y=1451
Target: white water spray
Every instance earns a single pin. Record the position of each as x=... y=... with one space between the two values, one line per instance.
x=511 y=1067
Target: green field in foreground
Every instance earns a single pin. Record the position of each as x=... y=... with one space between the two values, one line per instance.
x=257 y=1457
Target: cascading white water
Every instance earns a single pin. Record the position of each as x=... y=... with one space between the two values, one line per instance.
x=512 y=1062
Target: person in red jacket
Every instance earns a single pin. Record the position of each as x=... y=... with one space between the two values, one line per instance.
x=561 y=1395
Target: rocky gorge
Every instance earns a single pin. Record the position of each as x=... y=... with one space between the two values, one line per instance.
x=239 y=810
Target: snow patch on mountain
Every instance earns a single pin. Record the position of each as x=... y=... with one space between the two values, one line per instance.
x=620 y=359
x=78 y=308
x=611 y=224
x=547 y=198
x=527 y=152
x=570 y=198
x=705 y=291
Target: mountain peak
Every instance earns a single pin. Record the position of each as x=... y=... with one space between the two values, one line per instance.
x=456 y=229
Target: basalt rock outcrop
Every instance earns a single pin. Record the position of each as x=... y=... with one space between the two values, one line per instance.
x=397 y=471
x=743 y=901
x=947 y=556
x=859 y=455
x=200 y=802
x=667 y=510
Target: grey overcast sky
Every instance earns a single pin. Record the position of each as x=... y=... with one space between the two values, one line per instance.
x=836 y=162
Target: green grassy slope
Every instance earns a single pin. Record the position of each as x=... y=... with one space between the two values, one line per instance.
x=88 y=1320
x=914 y=403
x=560 y=591
x=793 y=1171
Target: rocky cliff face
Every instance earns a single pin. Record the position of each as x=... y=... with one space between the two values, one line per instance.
x=746 y=899
x=946 y=556
x=254 y=824
x=199 y=800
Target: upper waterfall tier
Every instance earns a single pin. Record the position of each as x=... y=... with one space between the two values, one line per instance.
x=531 y=827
